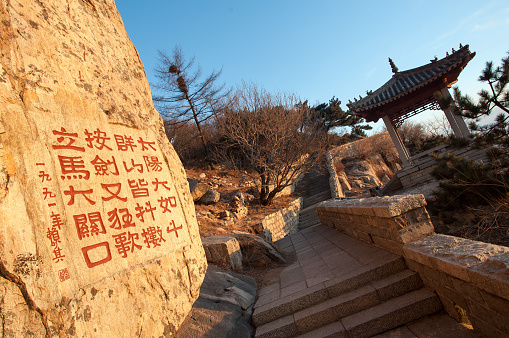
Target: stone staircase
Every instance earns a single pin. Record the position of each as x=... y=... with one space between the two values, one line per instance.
x=318 y=190
x=341 y=287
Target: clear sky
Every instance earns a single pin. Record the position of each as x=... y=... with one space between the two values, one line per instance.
x=321 y=48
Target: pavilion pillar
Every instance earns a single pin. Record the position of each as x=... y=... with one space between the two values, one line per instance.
x=396 y=139
x=458 y=119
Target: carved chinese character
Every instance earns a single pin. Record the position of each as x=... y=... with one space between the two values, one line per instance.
x=103 y=167
x=46 y=193
x=89 y=226
x=71 y=192
x=153 y=163
x=114 y=194
x=54 y=236
x=125 y=243
x=168 y=201
x=174 y=229
x=153 y=236
x=124 y=142
x=145 y=143
x=66 y=140
x=116 y=223
x=58 y=255
x=96 y=138
x=136 y=166
x=73 y=167
x=44 y=176
x=56 y=220
x=99 y=249
x=163 y=183
x=138 y=189
x=141 y=211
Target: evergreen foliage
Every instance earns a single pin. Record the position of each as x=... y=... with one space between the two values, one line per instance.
x=466 y=183
x=331 y=115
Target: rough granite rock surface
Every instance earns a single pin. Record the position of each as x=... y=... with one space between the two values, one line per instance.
x=98 y=235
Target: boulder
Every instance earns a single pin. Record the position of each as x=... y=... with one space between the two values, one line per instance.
x=197 y=188
x=224 y=308
x=256 y=251
x=210 y=197
x=98 y=236
x=223 y=251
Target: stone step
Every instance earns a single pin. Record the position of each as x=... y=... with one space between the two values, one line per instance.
x=344 y=305
x=383 y=317
x=266 y=312
x=317 y=198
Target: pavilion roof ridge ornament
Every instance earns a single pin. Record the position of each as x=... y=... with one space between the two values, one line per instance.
x=404 y=86
x=393 y=66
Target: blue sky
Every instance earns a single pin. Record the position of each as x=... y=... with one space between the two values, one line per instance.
x=318 y=49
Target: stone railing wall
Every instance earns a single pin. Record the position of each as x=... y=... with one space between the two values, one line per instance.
x=470 y=277
x=388 y=222
x=283 y=222
x=335 y=186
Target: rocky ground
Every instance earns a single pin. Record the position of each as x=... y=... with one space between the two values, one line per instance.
x=235 y=207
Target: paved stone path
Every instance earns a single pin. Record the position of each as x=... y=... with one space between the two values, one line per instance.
x=328 y=266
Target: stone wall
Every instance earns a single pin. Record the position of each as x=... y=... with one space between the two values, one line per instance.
x=98 y=233
x=388 y=222
x=335 y=186
x=470 y=277
x=283 y=222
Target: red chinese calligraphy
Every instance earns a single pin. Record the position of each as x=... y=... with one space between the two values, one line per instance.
x=141 y=211
x=58 y=255
x=138 y=188
x=90 y=224
x=163 y=183
x=167 y=202
x=72 y=192
x=136 y=166
x=63 y=275
x=174 y=229
x=44 y=176
x=46 y=193
x=99 y=250
x=103 y=167
x=153 y=163
x=153 y=236
x=114 y=194
x=73 y=167
x=56 y=220
x=145 y=143
x=96 y=138
x=124 y=142
x=66 y=140
x=53 y=234
x=116 y=223
x=126 y=243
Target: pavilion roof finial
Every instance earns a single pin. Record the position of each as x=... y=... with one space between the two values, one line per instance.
x=393 y=66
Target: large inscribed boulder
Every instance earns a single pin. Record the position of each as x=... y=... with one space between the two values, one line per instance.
x=98 y=235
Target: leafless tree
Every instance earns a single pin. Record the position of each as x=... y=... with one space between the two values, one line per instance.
x=270 y=135
x=184 y=95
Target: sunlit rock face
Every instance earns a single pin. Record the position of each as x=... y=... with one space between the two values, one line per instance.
x=98 y=235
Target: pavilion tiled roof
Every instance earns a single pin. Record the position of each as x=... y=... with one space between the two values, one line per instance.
x=405 y=83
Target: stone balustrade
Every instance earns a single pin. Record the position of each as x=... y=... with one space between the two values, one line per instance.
x=470 y=277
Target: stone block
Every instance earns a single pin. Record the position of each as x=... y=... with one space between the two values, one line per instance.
x=415 y=232
x=223 y=251
x=489 y=316
x=492 y=275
